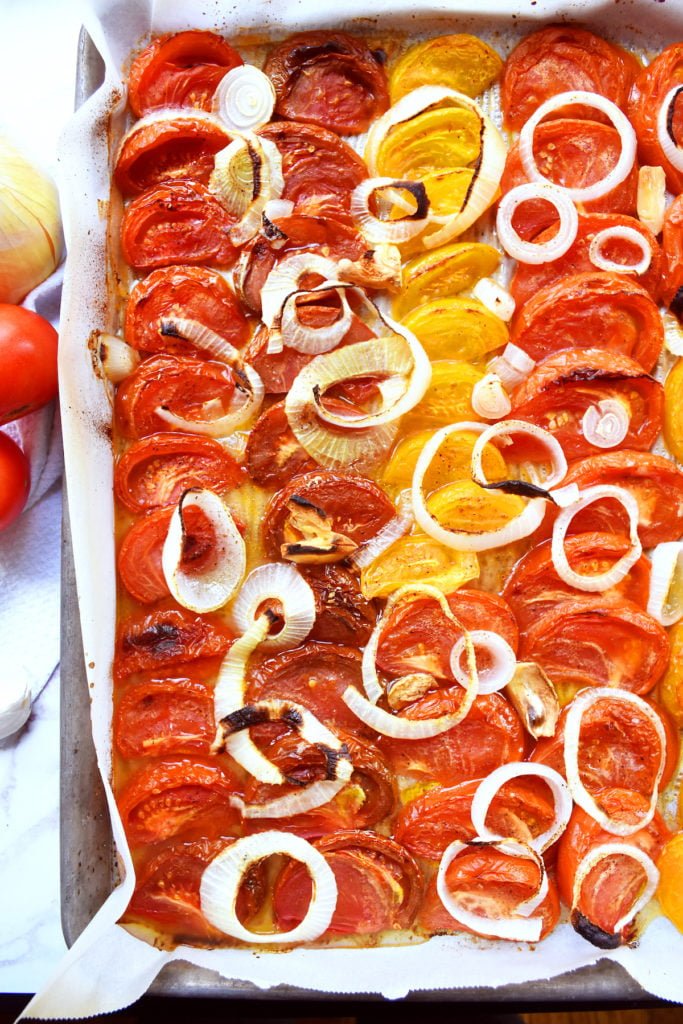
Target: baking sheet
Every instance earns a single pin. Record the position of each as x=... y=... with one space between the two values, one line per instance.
x=86 y=861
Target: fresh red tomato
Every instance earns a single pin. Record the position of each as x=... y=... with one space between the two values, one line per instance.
x=534 y=587
x=342 y=614
x=176 y=222
x=672 y=240
x=593 y=310
x=28 y=362
x=609 y=890
x=583 y=642
x=379 y=883
x=489 y=736
x=187 y=293
x=166 y=149
x=274 y=456
x=181 y=70
x=167 y=636
x=649 y=91
x=575 y=154
x=15 y=480
x=162 y=717
x=560 y=389
x=563 y=58
x=173 y=798
x=156 y=470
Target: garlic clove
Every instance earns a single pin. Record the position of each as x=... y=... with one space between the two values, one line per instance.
x=15 y=703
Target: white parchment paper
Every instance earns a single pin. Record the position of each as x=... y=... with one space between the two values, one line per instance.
x=107 y=968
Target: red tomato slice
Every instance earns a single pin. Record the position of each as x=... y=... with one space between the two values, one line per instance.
x=563 y=58
x=649 y=91
x=491 y=883
x=166 y=637
x=159 y=717
x=172 y=798
x=488 y=737
x=417 y=636
x=342 y=614
x=559 y=390
x=189 y=293
x=330 y=79
x=672 y=240
x=528 y=279
x=354 y=507
x=611 y=888
x=181 y=70
x=156 y=470
x=585 y=643
x=655 y=482
x=167 y=890
x=318 y=167
x=534 y=587
x=168 y=149
x=575 y=154
x=379 y=884
x=177 y=222
x=274 y=456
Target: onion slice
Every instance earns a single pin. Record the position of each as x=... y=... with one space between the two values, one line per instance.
x=276 y=581
x=520 y=927
x=503 y=429
x=495 y=676
x=117 y=357
x=512 y=366
x=313 y=340
x=537 y=252
x=617 y=572
x=208 y=589
x=490 y=400
x=591 y=860
x=246 y=175
x=622 y=124
x=606 y=424
x=583 y=701
x=222 y=878
x=626 y=234
x=384 y=538
x=651 y=199
x=665 y=602
x=665 y=134
x=244 y=99
x=284 y=279
x=400 y=230
x=496 y=299
x=489 y=787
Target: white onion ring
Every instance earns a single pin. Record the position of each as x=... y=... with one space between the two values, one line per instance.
x=377 y=230
x=221 y=881
x=280 y=582
x=504 y=661
x=489 y=787
x=672 y=151
x=537 y=252
x=667 y=560
x=244 y=99
x=599 y=853
x=247 y=202
x=621 y=568
x=284 y=279
x=572 y=735
x=606 y=424
x=506 y=427
x=589 y=99
x=513 y=366
x=314 y=340
x=399 y=727
x=623 y=233
x=490 y=400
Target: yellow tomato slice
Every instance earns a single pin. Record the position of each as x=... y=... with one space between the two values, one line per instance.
x=673 y=411
x=457 y=328
x=460 y=62
x=671 y=686
x=435 y=140
x=670 y=890
x=468 y=508
x=453 y=461
x=448 y=398
x=444 y=272
x=447 y=190
x=418 y=559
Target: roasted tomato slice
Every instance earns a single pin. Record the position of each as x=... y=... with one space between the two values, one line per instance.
x=610 y=889
x=187 y=293
x=596 y=310
x=179 y=385
x=655 y=482
x=558 y=392
x=324 y=516
x=492 y=883
x=380 y=884
x=330 y=79
x=167 y=890
x=167 y=148
x=156 y=470
x=672 y=240
x=173 y=798
x=534 y=587
x=181 y=70
x=488 y=737
x=314 y=675
x=528 y=279
x=274 y=456
x=342 y=614
x=575 y=154
x=318 y=167
x=650 y=89
x=139 y=559
x=159 y=717
x=563 y=58
x=585 y=642
x=177 y=222
x=618 y=747
x=166 y=637
x=418 y=637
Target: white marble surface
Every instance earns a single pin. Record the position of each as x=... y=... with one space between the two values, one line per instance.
x=38 y=42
